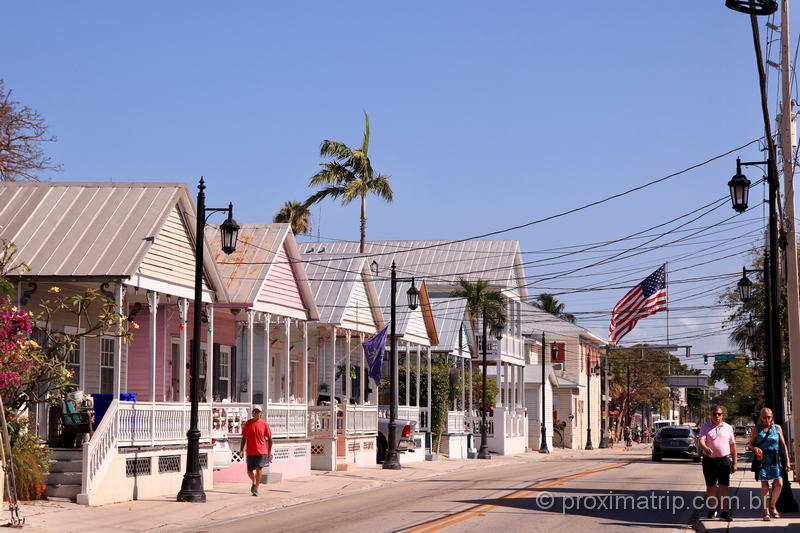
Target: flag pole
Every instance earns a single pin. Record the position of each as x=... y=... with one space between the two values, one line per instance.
x=666 y=285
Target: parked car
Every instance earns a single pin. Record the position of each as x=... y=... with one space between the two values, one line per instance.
x=675 y=441
x=404 y=436
x=740 y=431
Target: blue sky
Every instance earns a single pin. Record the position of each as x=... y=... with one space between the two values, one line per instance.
x=485 y=115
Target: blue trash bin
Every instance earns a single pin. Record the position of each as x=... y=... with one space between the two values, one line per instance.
x=101 y=403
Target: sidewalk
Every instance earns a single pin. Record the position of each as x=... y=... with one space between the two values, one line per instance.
x=748 y=517
x=227 y=501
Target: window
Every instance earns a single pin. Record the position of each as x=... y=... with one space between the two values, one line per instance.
x=675 y=433
x=224 y=370
x=558 y=352
x=107 y=350
x=73 y=363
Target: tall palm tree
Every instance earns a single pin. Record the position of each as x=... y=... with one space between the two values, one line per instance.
x=349 y=175
x=549 y=304
x=480 y=298
x=297 y=214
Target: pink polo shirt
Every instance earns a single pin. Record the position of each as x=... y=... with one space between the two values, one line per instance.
x=718 y=438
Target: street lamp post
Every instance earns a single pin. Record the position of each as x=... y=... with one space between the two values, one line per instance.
x=589 y=371
x=192 y=485
x=497 y=331
x=392 y=460
x=543 y=445
x=604 y=440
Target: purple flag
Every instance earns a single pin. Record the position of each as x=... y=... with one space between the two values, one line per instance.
x=373 y=352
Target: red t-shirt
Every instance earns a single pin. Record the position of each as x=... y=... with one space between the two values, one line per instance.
x=256 y=432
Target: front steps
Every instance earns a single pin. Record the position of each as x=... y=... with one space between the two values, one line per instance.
x=66 y=471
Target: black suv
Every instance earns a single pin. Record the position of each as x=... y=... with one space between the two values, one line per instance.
x=675 y=441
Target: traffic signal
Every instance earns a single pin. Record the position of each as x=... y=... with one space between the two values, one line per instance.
x=747 y=362
x=705 y=359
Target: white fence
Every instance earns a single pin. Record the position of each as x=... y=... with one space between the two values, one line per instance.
x=475 y=421
x=285 y=419
x=158 y=423
x=455 y=422
x=355 y=420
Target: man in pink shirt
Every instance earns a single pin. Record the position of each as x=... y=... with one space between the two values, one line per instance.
x=719 y=460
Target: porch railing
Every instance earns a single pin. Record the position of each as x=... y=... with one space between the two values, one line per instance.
x=408 y=412
x=357 y=419
x=455 y=422
x=284 y=419
x=158 y=423
x=475 y=422
x=98 y=452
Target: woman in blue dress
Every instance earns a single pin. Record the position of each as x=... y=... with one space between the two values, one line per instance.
x=767 y=440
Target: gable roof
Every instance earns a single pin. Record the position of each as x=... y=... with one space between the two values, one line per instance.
x=246 y=270
x=441 y=263
x=333 y=282
x=535 y=321
x=448 y=314
x=92 y=229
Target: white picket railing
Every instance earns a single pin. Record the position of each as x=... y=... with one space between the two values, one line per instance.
x=475 y=421
x=98 y=452
x=285 y=419
x=158 y=423
x=406 y=412
x=455 y=422
x=357 y=419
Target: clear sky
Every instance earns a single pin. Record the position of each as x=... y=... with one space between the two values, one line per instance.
x=486 y=115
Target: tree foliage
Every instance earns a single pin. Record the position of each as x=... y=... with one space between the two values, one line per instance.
x=297 y=215
x=743 y=396
x=23 y=131
x=549 y=304
x=349 y=176
x=481 y=299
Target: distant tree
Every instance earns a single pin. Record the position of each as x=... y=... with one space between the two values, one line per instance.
x=348 y=176
x=549 y=304
x=480 y=297
x=297 y=215
x=22 y=132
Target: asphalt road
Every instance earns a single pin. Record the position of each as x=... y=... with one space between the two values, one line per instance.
x=607 y=490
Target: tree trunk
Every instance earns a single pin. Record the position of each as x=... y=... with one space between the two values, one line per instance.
x=363 y=221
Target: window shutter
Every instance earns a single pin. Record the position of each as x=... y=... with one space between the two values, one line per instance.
x=234 y=381
x=216 y=385
x=560 y=355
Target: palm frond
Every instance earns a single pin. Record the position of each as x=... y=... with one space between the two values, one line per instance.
x=365 y=142
x=334 y=149
x=331 y=173
x=380 y=186
x=333 y=192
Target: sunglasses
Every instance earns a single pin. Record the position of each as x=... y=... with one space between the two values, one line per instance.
x=717 y=414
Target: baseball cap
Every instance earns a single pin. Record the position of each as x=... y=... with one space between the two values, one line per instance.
x=256 y=409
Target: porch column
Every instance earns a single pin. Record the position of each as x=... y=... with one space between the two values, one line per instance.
x=183 y=309
x=267 y=360
x=429 y=402
x=117 y=385
x=463 y=385
x=304 y=363
x=361 y=374
x=210 y=354
x=522 y=387
x=152 y=301
x=347 y=381
x=332 y=385
x=408 y=374
x=469 y=390
x=287 y=324
x=250 y=319
x=416 y=371
x=506 y=401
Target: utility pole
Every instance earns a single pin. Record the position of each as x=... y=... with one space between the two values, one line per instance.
x=785 y=131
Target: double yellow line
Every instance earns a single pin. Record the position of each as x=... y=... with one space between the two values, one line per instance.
x=478 y=510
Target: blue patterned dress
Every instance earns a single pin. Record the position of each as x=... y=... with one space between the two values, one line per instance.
x=771 y=462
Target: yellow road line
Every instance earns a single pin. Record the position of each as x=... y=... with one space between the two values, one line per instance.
x=477 y=510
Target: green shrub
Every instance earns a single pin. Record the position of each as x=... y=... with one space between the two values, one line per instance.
x=31 y=460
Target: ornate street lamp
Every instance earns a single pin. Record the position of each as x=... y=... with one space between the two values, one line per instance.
x=740 y=189
x=753 y=7
x=750 y=328
x=590 y=370
x=745 y=287
x=192 y=485
x=392 y=460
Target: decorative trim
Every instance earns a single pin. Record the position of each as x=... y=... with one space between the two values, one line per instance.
x=107 y=293
x=136 y=308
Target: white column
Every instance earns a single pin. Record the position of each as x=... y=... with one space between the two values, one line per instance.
x=417 y=374
x=267 y=360
x=463 y=385
x=152 y=300
x=210 y=354
x=332 y=386
x=306 y=394
x=287 y=359
x=408 y=374
x=429 y=402
x=362 y=375
x=116 y=386
x=183 y=310
x=251 y=315
x=347 y=382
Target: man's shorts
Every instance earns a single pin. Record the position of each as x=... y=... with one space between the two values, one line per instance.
x=256 y=461
x=717 y=470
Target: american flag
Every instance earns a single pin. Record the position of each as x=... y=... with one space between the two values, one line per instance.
x=645 y=299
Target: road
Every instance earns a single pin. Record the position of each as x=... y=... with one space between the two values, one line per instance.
x=605 y=490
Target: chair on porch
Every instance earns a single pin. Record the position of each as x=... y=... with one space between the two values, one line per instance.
x=73 y=422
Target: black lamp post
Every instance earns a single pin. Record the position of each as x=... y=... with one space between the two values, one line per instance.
x=392 y=460
x=192 y=485
x=604 y=440
x=589 y=371
x=543 y=444
x=497 y=331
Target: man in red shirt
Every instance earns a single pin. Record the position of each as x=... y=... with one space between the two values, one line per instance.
x=257 y=436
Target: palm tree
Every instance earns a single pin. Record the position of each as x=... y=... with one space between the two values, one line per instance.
x=549 y=304
x=481 y=299
x=297 y=214
x=349 y=175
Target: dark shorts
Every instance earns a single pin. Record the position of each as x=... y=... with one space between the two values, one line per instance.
x=256 y=461
x=717 y=470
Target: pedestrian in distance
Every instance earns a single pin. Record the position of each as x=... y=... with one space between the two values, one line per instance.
x=613 y=438
x=718 y=445
x=627 y=436
x=771 y=458
x=257 y=438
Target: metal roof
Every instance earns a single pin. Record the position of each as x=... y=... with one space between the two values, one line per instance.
x=448 y=314
x=245 y=270
x=535 y=321
x=440 y=263
x=87 y=229
x=332 y=283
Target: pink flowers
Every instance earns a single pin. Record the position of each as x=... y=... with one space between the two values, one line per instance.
x=16 y=362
